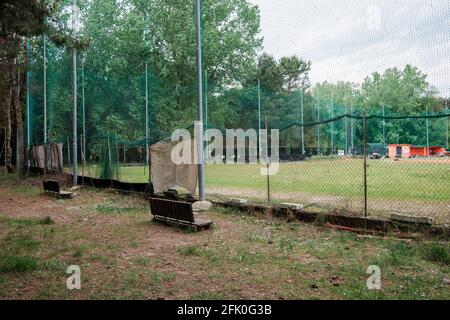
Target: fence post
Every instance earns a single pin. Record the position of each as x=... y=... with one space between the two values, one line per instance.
x=365 y=162
x=83 y=160
x=68 y=151
x=149 y=144
x=267 y=162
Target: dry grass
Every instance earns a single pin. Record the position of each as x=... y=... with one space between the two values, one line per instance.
x=122 y=254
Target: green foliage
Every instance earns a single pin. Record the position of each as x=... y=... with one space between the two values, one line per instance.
x=295 y=73
x=198 y=251
x=17 y=263
x=124 y=36
x=46 y=220
x=109 y=159
x=127 y=36
x=436 y=252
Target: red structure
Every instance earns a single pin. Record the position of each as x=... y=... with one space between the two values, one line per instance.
x=409 y=151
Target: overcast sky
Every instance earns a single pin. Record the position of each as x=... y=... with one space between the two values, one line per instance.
x=349 y=39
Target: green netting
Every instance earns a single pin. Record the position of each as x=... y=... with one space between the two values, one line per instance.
x=109 y=158
x=113 y=85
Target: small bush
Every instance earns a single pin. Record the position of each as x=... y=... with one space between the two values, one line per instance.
x=17 y=264
x=436 y=252
x=78 y=253
x=20 y=223
x=46 y=220
x=20 y=243
x=400 y=253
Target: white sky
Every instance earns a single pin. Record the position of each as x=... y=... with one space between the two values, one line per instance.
x=349 y=39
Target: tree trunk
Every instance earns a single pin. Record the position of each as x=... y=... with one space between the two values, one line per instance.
x=20 y=161
x=8 y=149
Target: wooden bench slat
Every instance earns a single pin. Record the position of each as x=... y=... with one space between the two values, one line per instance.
x=177 y=213
x=52 y=187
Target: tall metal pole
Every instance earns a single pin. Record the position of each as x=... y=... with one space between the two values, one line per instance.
x=318 y=128
x=146 y=115
x=206 y=100
x=201 y=168
x=365 y=161
x=428 y=133
x=17 y=129
x=332 y=124
x=259 y=117
x=303 y=122
x=346 y=133
x=74 y=99
x=267 y=163
x=28 y=95
x=84 y=110
x=446 y=123
x=352 y=131
x=45 y=103
x=147 y=136
x=384 y=127
x=45 y=89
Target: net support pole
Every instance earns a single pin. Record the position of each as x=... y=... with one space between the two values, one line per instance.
x=267 y=161
x=146 y=116
x=318 y=129
x=45 y=103
x=84 y=110
x=147 y=137
x=109 y=160
x=352 y=135
x=303 y=121
x=365 y=161
x=446 y=124
x=28 y=102
x=74 y=98
x=332 y=124
x=206 y=102
x=116 y=155
x=384 y=127
x=68 y=151
x=17 y=129
x=259 y=118
x=346 y=132
x=201 y=167
x=428 y=133
x=83 y=163
x=148 y=150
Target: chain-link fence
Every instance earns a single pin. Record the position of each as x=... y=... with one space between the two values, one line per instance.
x=132 y=93
x=339 y=168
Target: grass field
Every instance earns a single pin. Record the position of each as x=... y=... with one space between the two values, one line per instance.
x=123 y=255
x=419 y=186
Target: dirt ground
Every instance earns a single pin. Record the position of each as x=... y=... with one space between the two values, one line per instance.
x=122 y=254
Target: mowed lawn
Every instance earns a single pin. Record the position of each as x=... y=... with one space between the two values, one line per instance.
x=418 y=180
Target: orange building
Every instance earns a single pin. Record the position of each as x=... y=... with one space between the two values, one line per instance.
x=409 y=151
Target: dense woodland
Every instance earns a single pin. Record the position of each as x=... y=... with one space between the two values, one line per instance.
x=117 y=40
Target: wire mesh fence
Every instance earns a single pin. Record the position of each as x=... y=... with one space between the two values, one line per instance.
x=339 y=170
x=328 y=159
